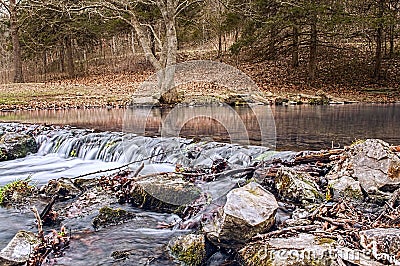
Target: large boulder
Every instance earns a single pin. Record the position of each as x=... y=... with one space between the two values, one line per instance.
x=297 y=187
x=249 y=210
x=164 y=193
x=16 y=145
x=18 y=249
x=301 y=250
x=189 y=249
x=373 y=163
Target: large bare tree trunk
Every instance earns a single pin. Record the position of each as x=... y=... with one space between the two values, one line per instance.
x=165 y=65
x=312 y=63
x=14 y=28
x=379 y=39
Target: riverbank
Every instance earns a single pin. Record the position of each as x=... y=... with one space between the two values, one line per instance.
x=116 y=90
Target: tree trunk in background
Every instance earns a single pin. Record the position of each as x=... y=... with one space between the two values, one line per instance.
x=391 y=41
x=379 y=39
x=70 y=58
x=312 y=63
x=18 y=77
x=219 y=55
x=272 y=43
x=295 y=47
x=165 y=65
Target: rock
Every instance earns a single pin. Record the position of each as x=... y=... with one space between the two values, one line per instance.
x=18 y=249
x=144 y=101
x=249 y=210
x=372 y=163
x=108 y=216
x=383 y=243
x=301 y=250
x=356 y=257
x=189 y=249
x=346 y=187
x=17 y=193
x=280 y=101
x=235 y=99
x=297 y=187
x=164 y=193
x=63 y=188
x=16 y=145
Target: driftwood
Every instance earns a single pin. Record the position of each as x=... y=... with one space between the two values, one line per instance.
x=322 y=157
x=48 y=208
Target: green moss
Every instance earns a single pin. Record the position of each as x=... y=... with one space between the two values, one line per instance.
x=15 y=191
x=357 y=142
x=189 y=249
x=3 y=155
x=325 y=240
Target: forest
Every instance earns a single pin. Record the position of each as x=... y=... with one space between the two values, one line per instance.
x=334 y=45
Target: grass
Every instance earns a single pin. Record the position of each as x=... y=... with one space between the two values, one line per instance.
x=22 y=187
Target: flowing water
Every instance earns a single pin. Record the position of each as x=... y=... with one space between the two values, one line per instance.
x=112 y=138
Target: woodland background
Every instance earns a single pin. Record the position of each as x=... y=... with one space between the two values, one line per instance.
x=335 y=45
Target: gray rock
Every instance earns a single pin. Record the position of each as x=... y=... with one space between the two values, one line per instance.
x=249 y=210
x=301 y=250
x=164 y=193
x=189 y=249
x=297 y=187
x=18 y=249
x=64 y=188
x=16 y=145
x=356 y=257
x=346 y=187
x=372 y=163
x=144 y=101
x=383 y=243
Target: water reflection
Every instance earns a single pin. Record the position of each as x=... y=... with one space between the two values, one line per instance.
x=297 y=127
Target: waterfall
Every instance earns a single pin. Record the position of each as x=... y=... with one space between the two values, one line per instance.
x=125 y=148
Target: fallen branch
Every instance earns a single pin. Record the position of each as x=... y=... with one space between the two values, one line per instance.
x=323 y=157
x=120 y=167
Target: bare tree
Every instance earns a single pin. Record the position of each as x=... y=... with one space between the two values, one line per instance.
x=164 y=61
x=11 y=7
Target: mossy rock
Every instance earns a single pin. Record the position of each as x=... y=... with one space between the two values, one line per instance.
x=164 y=194
x=297 y=187
x=108 y=216
x=16 y=192
x=189 y=249
x=16 y=145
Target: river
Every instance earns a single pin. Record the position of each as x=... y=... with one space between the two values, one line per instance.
x=107 y=138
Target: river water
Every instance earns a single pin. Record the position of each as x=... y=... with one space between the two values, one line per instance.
x=300 y=127
x=106 y=139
